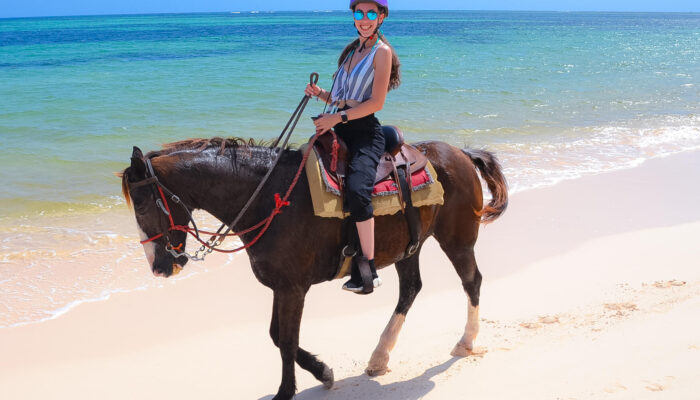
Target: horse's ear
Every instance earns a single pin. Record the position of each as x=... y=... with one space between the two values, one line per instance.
x=138 y=167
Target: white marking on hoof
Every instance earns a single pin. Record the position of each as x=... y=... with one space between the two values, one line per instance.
x=380 y=357
x=327 y=378
x=472 y=328
x=376 y=372
x=465 y=345
x=460 y=350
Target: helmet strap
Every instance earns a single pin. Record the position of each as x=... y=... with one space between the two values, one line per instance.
x=369 y=39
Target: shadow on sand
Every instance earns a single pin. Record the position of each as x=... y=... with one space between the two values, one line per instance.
x=365 y=387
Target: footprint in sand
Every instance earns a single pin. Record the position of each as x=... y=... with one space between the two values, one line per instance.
x=621 y=309
x=655 y=387
x=549 y=319
x=621 y=306
x=668 y=284
x=615 y=388
x=479 y=352
x=658 y=387
x=530 y=325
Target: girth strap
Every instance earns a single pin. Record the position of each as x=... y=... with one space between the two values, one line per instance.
x=397 y=178
x=349 y=251
x=403 y=180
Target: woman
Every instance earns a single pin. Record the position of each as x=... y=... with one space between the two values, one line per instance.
x=367 y=69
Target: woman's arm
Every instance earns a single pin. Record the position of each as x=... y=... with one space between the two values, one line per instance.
x=325 y=96
x=313 y=90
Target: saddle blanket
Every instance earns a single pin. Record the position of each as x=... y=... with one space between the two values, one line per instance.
x=327 y=202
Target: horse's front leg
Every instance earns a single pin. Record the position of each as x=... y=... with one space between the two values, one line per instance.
x=289 y=304
x=305 y=359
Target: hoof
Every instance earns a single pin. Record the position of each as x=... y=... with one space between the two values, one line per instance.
x=377 y=364
x=379 y=371
x=461 y=350
x=327 y=378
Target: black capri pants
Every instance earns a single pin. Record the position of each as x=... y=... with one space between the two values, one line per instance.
x=365 y=142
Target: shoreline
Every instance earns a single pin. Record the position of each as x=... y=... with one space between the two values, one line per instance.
x=104 y=204
x=559 y=235
x=581 y=276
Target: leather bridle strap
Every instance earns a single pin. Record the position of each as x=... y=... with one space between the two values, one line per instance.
x=147 y=181
x=163 y=205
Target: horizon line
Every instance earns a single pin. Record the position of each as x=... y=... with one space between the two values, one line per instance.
x=329 y=11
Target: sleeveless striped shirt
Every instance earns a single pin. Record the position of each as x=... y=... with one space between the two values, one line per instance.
x=356 y=85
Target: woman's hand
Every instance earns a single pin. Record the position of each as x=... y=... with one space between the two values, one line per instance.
x=312 y=90
x=326 y=121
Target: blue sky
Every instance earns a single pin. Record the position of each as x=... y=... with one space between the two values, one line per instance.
x=26 y=8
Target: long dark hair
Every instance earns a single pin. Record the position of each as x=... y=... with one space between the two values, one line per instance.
x=395 y=77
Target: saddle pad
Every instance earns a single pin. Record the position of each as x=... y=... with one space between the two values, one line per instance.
x=385 y=200
x=386 y=187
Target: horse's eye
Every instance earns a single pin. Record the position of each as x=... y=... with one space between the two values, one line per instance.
x=141 y=208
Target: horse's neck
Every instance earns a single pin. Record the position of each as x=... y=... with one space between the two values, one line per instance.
x=221 y=184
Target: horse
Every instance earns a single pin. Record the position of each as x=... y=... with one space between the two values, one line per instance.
x=300 y=249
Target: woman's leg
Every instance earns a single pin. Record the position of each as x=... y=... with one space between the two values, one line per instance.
x=365 y=230
x=359 y=186
x=366 y=147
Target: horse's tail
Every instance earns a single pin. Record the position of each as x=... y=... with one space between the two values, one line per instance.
x=490 y=169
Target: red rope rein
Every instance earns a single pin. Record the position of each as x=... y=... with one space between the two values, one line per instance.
x=280 y=202
x=334 y=152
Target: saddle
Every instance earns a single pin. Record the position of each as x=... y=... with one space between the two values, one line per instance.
x=397 y=154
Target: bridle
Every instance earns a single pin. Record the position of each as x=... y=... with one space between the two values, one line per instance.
x=162 y=204
x=209 y=246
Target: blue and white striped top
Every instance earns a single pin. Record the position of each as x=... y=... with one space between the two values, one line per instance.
x=357 y=85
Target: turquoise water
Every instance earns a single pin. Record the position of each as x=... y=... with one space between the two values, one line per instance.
x=556 y=95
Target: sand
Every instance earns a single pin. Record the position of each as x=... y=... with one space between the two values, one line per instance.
x=591 y=291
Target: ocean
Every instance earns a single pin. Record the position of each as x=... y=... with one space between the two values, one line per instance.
x=557 y=95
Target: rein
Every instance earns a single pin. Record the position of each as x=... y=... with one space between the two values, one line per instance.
x=209 y=246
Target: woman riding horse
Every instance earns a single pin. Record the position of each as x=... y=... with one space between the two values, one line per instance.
x=219 y=175
x=367 y=69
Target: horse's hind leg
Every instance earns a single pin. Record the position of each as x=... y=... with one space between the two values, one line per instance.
x=410 y=284
x=305 y=359
x=464 y=263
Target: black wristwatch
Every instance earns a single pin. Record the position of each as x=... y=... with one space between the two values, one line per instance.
x=344 y=117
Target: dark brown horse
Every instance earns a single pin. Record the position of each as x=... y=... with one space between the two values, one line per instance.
x=300 y=249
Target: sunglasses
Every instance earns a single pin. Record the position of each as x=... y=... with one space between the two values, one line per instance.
x=360 y=15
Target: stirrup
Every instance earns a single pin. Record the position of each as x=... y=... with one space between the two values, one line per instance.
x=351 y=286
x=358 y=288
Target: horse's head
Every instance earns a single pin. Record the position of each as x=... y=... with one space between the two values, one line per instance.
x=151 y=209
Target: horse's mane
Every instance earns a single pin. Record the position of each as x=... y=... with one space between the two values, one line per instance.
x=201 y=144
x=197 y=144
